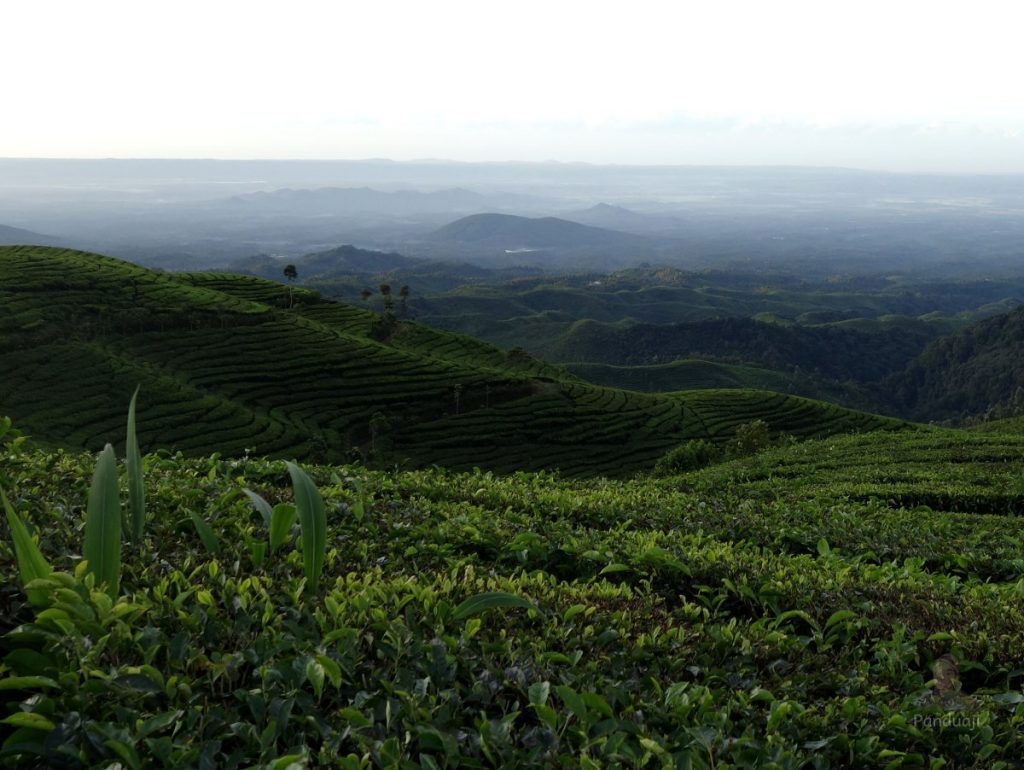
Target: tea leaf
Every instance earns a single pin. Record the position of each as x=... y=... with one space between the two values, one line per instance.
x=32 y=565
x=475 y=605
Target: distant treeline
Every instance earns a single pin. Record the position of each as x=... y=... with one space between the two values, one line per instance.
x=833 y=352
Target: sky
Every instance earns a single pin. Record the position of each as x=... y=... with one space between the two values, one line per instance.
x=895 y=85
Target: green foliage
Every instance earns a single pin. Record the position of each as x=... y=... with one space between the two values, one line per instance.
x=973 y=372
x=750 y=438
x=11 y=439
x=690 y=456
x=736 y=612
x=101 y=544
x=136 y=485
x=210 y=540
x=475 y=605
x=261 y=505
x=281 y=522
x=309 y=506
x=32 y=565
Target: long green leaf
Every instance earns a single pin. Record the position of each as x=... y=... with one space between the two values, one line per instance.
x=281 y=524
x=474 y=605
x=313 y=521
x=133 y=464
x=206 y=533
x=32 y=565
x=102 y=548
x=260 y=505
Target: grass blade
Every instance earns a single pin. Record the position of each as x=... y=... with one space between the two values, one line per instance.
x=102 y=547
x=313 y=521
x=206 y=533
x=133 y=463
x=475 y=605
x=281 y=521
x=32 y=565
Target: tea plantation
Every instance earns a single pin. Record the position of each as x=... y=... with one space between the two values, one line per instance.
x=234 y=364
x=748 y=615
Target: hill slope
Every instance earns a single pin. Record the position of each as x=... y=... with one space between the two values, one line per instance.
x=16 y=235
x=282 y=372
x=966 y=373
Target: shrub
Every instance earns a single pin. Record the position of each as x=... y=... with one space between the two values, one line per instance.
x=690 y=456
x=751 y=438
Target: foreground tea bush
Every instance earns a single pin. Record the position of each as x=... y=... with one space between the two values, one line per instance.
x=481 y=621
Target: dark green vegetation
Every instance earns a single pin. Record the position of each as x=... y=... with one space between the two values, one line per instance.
x=753 y=614
x=977 y=370
x=689 y=374
x=266 y=368
x=860 y=341
x=880 y=343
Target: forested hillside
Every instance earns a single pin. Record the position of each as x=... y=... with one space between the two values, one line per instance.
x=974 y=371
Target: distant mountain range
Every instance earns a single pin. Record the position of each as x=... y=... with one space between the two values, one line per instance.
x=617 y=218
x=361 y=200
x=344 y=260
x=10 y=236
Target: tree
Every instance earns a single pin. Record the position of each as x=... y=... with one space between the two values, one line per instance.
x=365 y=294
x=389 y=303
x=403 y=294
x=291 y=274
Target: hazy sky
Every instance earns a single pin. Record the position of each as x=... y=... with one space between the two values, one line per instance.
x=892 y=85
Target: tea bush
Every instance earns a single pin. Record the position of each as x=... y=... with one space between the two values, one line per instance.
x=476 y=620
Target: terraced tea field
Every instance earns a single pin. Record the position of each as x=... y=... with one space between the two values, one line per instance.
x=275 y=371
x=942 y=469
x=685 y=374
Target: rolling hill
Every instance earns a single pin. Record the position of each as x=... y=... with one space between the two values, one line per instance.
x=344 y=271
x=344 y=260
x=505 y=239
x=505 y=231
x=265 y=368
x=615 y=218
x=687 y=374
